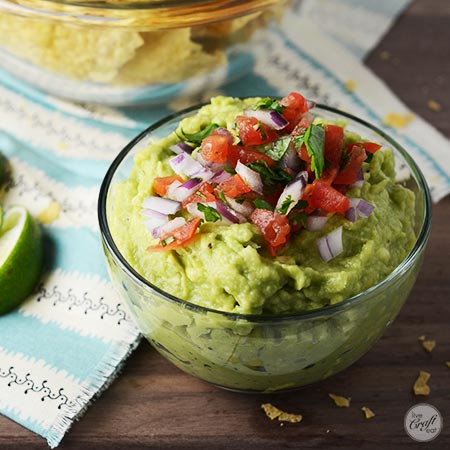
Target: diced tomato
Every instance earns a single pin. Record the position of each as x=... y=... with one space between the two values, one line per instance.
x=179 y=237
x=301 y=127
x=294 y=106
x=223 y=132
x=328 y=175
x=349 y=173
x=327 y=198
x=215 y=148
x=274 y=227
x=234 y=187
x=334 y=145
x=161 y=184
x=307 y=194
x=370 y=147
x=254 y=132
x=303 y=154
x=204 y=194
x=247 y=155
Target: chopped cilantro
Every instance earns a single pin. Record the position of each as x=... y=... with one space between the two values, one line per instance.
x=314 y=140
x=269 y=103
x=211 y=214
x=299 y=218
x=279 y=148
x=201 y=195
x=197 y=138
x=221 y=195
x=262 y=204
x=239 y=200
x=229 y=170
x=285 y=205
x=270 y=176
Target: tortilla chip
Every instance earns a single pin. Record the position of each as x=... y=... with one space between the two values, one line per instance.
x=342 y=402
x=420 y=386
x=448 y=364
x=168 y=57
x=272 y=412
x=434 y=105
x=368 y=413
x=82 y=53
x=397 y=120
x=429 y=345
x=421 y=338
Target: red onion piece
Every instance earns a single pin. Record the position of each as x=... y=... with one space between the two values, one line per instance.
x=365 y=209
x=181 y=147
x=351 y=214
x=361 y=209
x=183 y=191
x=162 y=205
x=293 y=191
x=229 y=214
x=245 y=208
x=185 y=164
x=315 y=223
x=250 y=177
x=204 y=174
x=171 y=190
x=270 y=118
x=168 y=227
x=220 y=176
x=291 y=160
x=330 y=245
x=359 y=180
x=311 y=103
x=151 y=214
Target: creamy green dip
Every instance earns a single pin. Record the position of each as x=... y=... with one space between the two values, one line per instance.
x=226 y=267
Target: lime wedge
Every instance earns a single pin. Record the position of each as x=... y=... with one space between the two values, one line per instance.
x=21 y=257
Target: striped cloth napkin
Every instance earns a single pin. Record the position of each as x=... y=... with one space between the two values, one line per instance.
x=68 y=341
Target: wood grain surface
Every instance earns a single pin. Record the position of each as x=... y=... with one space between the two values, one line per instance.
x=155 y=405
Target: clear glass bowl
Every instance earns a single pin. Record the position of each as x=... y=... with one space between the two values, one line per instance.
x=130 y=52
x=262 y=353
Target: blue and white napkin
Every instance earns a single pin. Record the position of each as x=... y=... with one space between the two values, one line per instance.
x=67 y=342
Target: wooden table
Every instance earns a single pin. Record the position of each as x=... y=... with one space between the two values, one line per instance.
x=154 y=405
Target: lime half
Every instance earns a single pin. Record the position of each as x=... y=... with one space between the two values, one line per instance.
x=21 y=257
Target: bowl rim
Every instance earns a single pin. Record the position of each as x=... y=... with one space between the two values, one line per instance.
x=420 y=243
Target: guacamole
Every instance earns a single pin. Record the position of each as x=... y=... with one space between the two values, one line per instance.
x=227 y=266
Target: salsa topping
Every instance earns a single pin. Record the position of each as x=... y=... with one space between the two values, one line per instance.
x=277 y=168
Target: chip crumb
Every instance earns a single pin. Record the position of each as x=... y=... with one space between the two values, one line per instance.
x=434 y=105
x=420 y=386
x=429 y=345
x=385 y=55
x=49 y=214
x=327 y=431
x=397 y=120
x=448 y=364
x=272 y=412
x=421 y=338
x=342 y=402
x=368 y=413
x=350 y=85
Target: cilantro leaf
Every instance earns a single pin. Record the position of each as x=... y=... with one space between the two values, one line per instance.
x=268 y=175
x=269 y=103
x=197 y=138
x=211 y=214
x=285 y=205
x=299 y=218
x=314 y=140
x=221 y=195
x=229 y=170
x=262 y=204
x=279 y=148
